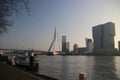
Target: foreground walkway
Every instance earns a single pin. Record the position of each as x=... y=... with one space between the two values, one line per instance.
x=8 y=72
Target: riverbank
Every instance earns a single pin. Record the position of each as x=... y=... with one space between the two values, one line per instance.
x=8 y=72
x=93 y=54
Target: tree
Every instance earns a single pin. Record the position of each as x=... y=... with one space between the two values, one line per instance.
x=9 y=8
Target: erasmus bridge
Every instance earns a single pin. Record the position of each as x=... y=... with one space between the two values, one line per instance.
x=55 y=44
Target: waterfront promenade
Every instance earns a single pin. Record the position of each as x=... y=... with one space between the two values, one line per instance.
x=8 y=72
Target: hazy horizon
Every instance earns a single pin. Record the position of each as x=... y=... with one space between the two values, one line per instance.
x=73 y=18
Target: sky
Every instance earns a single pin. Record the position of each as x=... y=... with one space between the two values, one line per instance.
x=73 y=18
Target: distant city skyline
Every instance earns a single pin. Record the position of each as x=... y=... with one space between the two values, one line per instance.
x=73 y=18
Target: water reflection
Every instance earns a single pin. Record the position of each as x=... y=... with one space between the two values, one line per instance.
x=104 y=68
x=117 y=66
x=69 y=67
x=64 y=69
x=89 y=64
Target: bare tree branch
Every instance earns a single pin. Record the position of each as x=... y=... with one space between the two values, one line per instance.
x=9 y=8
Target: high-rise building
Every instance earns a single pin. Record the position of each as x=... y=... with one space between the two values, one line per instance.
x=103 y=36
x=82 y=50
x=63 y=43
x=67 y=47
x=119 y=45
x=89 y=45
x=75 y=48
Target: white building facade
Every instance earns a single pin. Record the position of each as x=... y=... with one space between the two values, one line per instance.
x=89 y=45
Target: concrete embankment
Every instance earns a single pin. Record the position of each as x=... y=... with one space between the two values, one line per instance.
x=8 y=72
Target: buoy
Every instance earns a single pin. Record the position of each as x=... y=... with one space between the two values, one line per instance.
x=82 y=76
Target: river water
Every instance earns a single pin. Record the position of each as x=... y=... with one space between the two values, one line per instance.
x=69 y=67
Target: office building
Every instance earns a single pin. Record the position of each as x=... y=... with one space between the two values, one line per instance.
x=67 y=47
x=82 y=50
x=89 y=45
x=119 y=45
x=63 y=43
x=75 y=48
x=103 y=36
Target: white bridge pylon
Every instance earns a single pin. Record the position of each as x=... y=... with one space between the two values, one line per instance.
x=53 y=46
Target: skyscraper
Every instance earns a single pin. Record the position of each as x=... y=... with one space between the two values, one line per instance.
x=63 y=43
x=119 y=45
x=89 y=45
x=67 y=47
x=103 y=36
x=75 y=48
